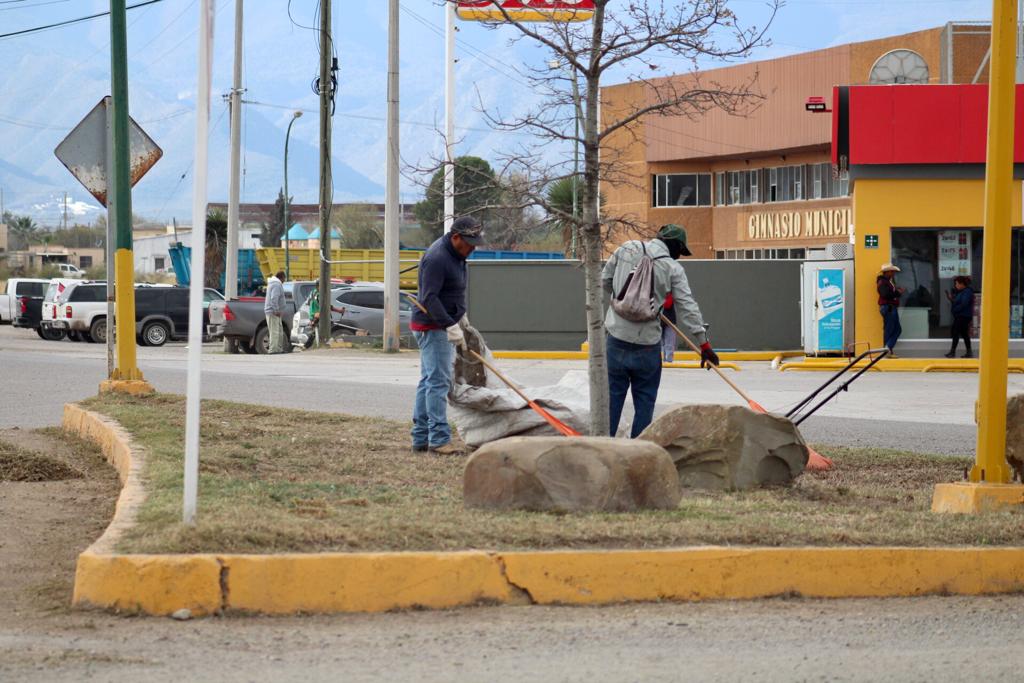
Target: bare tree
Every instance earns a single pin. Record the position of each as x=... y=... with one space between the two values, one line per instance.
x=626 y=35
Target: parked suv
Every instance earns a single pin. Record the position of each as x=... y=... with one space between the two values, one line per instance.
x=161 y=313
x=55 y=295
x=356 y=307
x=82 y=312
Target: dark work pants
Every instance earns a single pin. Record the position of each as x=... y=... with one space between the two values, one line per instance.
x=961 y=330
x=636 y=367
x=893 y=329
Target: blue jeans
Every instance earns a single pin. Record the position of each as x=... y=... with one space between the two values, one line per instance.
x=430 y=415
x=891 y=322
x=637 y=366
x=668 y=344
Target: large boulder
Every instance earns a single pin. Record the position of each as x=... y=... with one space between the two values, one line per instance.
x=729 y=447
x=546 y=474
x=1015 y=435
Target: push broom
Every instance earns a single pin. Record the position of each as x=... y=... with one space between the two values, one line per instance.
x=815 y=460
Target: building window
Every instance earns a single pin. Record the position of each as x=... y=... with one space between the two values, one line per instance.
x=720 y=254
x=929 y=259
x=158 y=262
x=720 y=193
x=85 y=262
x=682 y=189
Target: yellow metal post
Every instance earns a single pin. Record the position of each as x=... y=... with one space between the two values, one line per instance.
x=989 y=488
x=990 y=460
x=124 y=279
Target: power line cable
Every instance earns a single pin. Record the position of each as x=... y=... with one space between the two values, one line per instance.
x=40 y=4
x=69 y=22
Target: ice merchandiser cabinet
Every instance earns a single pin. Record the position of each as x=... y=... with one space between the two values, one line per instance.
x=826 y=307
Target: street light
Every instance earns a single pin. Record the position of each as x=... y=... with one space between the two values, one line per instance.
x=287 y=228
x=555 y=64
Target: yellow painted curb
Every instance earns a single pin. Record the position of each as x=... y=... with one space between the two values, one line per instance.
x=365 y=582
x=540 y=355
x=973 y=498
x=897 y=365
x=375 y=582
x=132 y=387
x=591 y=578
x=152 y=584
x=695 y=365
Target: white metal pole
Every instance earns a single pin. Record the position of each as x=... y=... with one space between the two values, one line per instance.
x=391 y=222
x=449 y=116
x=231 y=266
x=195 y=302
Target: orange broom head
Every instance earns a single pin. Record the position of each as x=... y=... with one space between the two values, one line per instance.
x=816 y=462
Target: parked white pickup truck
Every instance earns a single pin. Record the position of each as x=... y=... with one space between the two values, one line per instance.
x=16 y=287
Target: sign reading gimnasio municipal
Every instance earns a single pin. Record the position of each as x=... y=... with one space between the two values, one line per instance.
x=787 y=225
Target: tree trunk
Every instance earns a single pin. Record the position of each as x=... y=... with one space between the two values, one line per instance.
x=598 y=365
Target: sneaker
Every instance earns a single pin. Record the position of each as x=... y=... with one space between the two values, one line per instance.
x=968 y=355
x=447 y=449
x=950 y=355
x=420 y=448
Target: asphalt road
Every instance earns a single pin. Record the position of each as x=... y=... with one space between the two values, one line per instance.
x=930 y=413
x=921 y=639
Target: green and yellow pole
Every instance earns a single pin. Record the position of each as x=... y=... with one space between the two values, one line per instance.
x=126 y=376
x=990 y=475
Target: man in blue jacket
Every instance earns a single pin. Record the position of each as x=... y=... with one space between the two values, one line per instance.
x=442 y=292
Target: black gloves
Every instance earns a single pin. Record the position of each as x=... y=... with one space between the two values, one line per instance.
x=708 y=357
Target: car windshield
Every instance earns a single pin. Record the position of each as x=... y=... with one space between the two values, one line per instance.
x=51 y=292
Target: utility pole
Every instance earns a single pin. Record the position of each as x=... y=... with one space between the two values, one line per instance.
x=111 y=237
x=326 y=194
x=391 y=207
x=449 y=116
x=65 y=211
x=231 y=266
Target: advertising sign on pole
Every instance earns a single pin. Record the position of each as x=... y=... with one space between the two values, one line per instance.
x=525 y=10
x=831 y=303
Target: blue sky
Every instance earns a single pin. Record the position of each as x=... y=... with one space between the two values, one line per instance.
x=53 y=78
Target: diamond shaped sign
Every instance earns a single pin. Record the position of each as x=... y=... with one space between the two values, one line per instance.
x=84 y=151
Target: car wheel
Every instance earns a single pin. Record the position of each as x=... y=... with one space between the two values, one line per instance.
x=262 y=341
x=50 y=334
x=156 y=334
x=98 y=331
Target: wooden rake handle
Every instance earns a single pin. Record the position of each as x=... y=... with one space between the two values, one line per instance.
x=696 y=349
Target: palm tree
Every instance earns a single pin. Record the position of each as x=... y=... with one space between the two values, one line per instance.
x=24 y=231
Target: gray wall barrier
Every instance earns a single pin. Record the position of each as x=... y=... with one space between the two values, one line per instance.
x=539 y=305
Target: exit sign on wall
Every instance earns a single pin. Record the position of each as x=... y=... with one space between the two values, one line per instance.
x=871 y=241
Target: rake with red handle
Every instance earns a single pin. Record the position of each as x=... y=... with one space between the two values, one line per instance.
x=815 y=460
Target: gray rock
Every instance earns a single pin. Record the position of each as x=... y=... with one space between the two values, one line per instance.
x=571 y=473
x=182 y=615
x=1015 y=435
x=729 y=447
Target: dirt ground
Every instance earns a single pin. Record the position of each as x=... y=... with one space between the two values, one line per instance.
x=44 y=525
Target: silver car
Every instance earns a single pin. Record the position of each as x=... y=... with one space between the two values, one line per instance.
x=357 y=307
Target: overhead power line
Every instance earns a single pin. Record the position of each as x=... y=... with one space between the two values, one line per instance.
x=69 y=22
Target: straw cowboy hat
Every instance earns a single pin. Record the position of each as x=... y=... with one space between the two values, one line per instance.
x=888 y=266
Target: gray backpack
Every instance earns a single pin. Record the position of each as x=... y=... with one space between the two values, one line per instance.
x=636 y=301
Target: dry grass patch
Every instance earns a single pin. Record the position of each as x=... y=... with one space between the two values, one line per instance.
x=19 y=464
x=275 y=480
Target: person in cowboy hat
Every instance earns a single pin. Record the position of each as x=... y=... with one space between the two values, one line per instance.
x=888 y=305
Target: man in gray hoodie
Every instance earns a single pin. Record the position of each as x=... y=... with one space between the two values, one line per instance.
x=634 y=348
x=273 y=307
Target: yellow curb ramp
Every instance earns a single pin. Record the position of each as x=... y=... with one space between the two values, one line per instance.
x=375 y=582
x=1015 y=365
x=736 y=356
